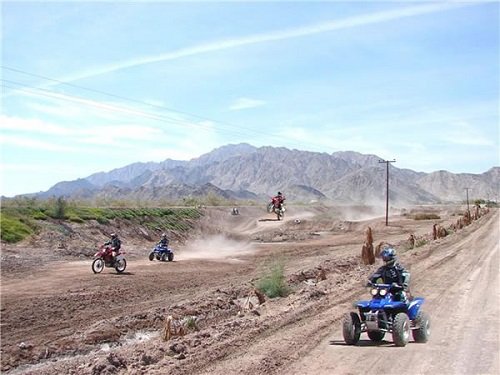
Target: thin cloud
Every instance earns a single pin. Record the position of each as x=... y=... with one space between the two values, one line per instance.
x=464 y=133
x=99 y=133
x=350 y=22
x=31 y=144
x=245 y=103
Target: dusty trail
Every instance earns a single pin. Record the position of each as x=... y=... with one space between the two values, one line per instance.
x=461 y=286
x=75 y=321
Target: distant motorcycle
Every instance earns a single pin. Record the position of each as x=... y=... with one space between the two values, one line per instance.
x=162 y=253
x=278 y=209
x=104 y=258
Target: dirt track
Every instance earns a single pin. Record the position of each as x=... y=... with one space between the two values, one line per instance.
x=61 y=318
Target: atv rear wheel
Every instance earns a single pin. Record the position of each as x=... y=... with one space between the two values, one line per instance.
x=376 y=336
x=351 y=328
x=401 y=329
x=422 y=333
x=163 y=257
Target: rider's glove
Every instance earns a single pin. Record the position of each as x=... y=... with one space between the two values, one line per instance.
x=396 y=286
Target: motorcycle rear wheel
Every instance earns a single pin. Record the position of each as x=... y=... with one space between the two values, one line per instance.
x=121 y=264
x=98 y=265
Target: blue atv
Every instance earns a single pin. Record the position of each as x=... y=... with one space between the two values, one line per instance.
x=162 y=253
x=387 y=311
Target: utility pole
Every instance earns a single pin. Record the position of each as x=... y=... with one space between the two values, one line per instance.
x=387 y=189
x=467 y=192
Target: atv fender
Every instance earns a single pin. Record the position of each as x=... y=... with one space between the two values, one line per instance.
x=414 y=307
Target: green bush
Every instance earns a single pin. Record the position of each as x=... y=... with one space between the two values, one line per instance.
x=421 y=242
x=426 y=216
x=75 y=219
x=273 y=283
x=12 y=229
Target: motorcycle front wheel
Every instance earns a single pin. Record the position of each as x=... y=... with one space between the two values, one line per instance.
x=98 y=265
x=121 y=264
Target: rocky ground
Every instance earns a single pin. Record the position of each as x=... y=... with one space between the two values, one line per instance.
x=57 y=317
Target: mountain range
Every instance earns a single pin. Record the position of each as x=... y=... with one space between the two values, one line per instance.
x=242 y=171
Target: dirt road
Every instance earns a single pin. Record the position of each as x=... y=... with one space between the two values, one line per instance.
x=61 y=318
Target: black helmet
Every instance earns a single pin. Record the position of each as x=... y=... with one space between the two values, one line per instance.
x=164 y=235
x=388 y=256
x=279 y=192
x=113 y=235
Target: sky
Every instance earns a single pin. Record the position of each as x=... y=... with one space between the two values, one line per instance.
x=93 y=86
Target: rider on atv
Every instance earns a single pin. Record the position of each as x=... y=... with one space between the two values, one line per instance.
x=392 y=273
x=163 y=241
x=115 y=244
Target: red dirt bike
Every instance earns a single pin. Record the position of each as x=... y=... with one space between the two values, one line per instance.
x=104 y=258
x=277 y=208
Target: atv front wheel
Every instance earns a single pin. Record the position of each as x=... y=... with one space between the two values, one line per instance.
x=401 y=329
x=351 y=328
x=170 y=257
x=151 y=256
x=422 y=333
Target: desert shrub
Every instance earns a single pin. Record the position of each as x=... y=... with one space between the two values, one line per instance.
x=272 y=283
x=75 y=219
x=191 y=201
x=191 y=323
x=426 y=216
x=39 y=215
x=12 y=229
x=421 y=242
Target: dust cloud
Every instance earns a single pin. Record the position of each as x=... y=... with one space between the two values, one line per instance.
x=217 y=247
x=361 y=213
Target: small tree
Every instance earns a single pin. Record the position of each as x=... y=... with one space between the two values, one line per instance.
x=60 y=208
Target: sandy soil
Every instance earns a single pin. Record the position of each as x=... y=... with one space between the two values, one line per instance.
x=57 y=317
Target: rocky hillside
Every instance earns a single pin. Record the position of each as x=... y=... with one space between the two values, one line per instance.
x=245 y=172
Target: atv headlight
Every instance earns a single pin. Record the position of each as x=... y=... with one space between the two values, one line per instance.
x=374 y=292
x=383 y=292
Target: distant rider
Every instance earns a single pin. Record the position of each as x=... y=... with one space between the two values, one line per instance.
x=163 y=241
x=278 y=200
x=115 y=244
x=392 y=273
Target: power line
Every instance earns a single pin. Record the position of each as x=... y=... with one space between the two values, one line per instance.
x=230 y=127
x=73 y=98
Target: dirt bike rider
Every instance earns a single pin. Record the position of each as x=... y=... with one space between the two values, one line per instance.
x=392 y=273
x=115 y=244
x=163 y=241
x=278 y=200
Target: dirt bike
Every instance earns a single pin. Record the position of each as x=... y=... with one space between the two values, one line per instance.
x=386 y=313
x=104 y=258
x=162 y=253
x=279 y=210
